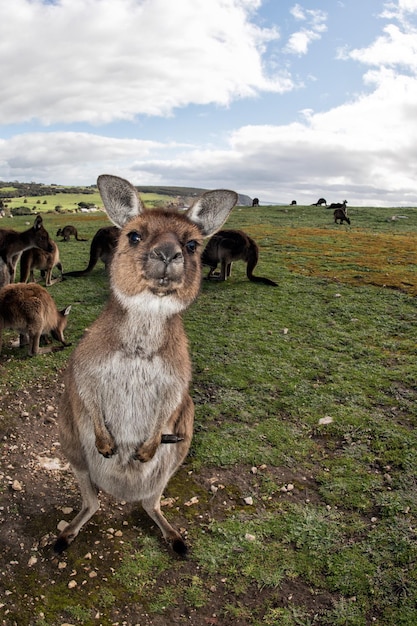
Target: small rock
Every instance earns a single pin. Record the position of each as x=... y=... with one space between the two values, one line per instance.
x=17 y=486
x=32 y=561
x=72 y=584
x=62 y=525
x=248 y=500
x=250 y=537
x=327 y=419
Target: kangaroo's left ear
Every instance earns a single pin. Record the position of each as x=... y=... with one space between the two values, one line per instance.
x=212 y=209
x=120 y=199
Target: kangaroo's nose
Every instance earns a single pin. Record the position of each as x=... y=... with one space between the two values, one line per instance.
x=167 y=250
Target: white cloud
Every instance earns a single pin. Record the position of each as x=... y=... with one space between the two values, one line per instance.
x=299 y=41
x=98 y=60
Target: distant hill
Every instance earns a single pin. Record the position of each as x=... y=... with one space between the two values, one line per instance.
x=15 y=189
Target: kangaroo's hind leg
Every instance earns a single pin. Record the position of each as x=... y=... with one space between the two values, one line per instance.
x=152 y=506
x=90 y=504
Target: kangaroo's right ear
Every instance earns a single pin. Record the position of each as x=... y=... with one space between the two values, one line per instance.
x=120 y=199
x=211 y=210
x=38 y=222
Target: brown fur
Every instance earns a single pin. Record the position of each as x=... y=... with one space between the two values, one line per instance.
x=340 y=214
x=66 y=233
x=228 y=246
x=13 y=243
x=35 y=258
x=102 y=247
x=127 y=382
x=31 y=310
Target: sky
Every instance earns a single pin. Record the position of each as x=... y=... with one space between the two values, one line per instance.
x=275 y=99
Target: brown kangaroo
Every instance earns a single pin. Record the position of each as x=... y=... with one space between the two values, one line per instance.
x=228 y=246
x=12 y=243
x=35 y=258
x=102 y=247
x=126 y=416
x=340 y=214
x=31 y=310
x=66 y=233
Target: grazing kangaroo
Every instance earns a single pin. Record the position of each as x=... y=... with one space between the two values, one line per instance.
x=35 y=258
x=31 y=310
x=102 y=247
x=340 y=214
x=126 y=416
x=12 y=243
x=228 y=246
x=66 y=233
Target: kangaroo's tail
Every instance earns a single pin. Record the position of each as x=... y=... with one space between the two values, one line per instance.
x=252 y=260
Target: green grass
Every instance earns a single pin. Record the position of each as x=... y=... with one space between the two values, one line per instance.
x=334 y=340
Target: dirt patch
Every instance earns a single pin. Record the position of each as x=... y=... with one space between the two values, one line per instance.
x=38 y=491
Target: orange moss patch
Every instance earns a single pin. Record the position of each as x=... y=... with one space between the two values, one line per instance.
x=350 y=256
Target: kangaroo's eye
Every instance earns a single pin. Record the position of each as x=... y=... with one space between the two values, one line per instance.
x=134 y=237
x=191 y=246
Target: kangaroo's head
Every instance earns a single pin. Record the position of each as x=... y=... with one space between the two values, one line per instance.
x=41 y=237
x=62 y=319
x=158 y=253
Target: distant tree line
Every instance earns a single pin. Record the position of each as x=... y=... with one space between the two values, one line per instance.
x=15 y=189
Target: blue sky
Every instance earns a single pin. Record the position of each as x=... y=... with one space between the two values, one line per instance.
x=275 y=99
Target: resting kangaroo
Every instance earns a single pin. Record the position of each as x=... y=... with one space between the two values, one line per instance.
x=66 y=233
x=102 y=247
x=227 y=246
x=35 y=258
x=126 y=416
x=31 y=310
x=12 y=244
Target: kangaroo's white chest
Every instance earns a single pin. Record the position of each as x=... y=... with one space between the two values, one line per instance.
x=132 y=393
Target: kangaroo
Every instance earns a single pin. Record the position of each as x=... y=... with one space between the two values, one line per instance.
x=228 y=246
x=12 y=243
x=338 y=205
x=126 y=416
x=35 y=258
x=102 y=247
x=4 y=273
x=66 y=233
x=31 y=310
x=320 y=202
x=340 y=214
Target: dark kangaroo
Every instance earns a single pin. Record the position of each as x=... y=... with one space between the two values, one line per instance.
x=102 y=247
x=66 y=233
x=126 y=416
x=13 y=243
x=31 y=310
x=38 y=259
x=340 y=214
x=228 y=246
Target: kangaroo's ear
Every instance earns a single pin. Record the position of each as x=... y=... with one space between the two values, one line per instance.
x=211 y=210
x=120 y=199
x=38 y=222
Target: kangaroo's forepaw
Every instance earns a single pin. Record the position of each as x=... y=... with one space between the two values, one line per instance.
x=147 y=450
x=106 y=446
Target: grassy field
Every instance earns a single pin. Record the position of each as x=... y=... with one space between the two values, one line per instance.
x=299 y=495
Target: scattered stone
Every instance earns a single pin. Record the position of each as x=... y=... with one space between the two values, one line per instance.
x=194 y=500
x=250 y=537
x=248 y=500
x=32 y=561
x=327 y=419
x=17 y=486
x=72 y=584
x=62 y=525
